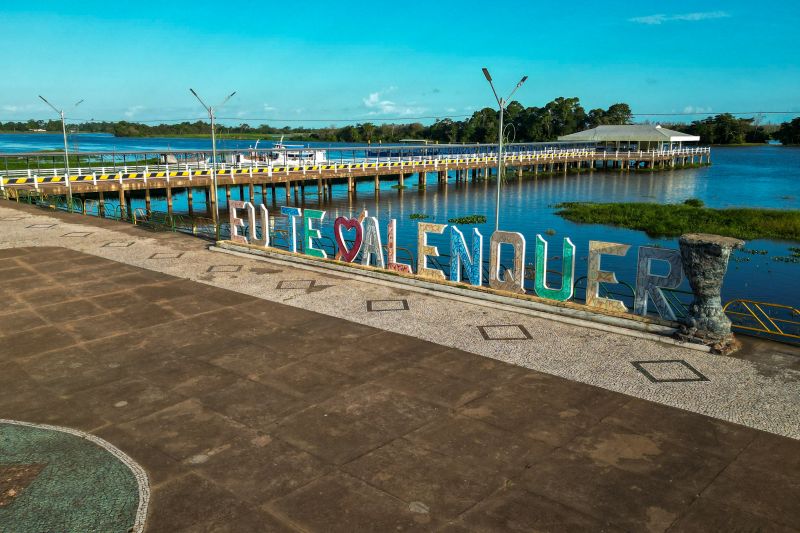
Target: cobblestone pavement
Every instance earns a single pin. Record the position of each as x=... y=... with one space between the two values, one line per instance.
x=259 y=408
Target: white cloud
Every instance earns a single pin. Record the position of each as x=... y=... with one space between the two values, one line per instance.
x=696 y=109
x=378 y=104
x=133 y=111
x=690 y=17
x=12 y=108
x=269 y=108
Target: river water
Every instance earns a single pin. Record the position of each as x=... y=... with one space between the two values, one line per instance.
x=763 y=176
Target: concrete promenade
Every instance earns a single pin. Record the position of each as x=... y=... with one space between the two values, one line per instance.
x=264 y=397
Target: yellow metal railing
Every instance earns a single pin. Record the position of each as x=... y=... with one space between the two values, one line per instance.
x=763 y=317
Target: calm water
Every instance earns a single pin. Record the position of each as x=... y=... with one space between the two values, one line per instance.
x=767 y=176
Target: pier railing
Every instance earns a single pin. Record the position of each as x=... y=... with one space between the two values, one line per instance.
x=139 y=166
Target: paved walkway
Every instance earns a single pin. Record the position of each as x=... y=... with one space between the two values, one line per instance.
x=249 y=414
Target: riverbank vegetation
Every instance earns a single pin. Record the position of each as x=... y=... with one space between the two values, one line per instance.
x=561 y=116
x=727 y=129
x=789 y=132
x=673 y=220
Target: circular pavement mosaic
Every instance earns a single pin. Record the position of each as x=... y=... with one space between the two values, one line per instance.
x=60 y=479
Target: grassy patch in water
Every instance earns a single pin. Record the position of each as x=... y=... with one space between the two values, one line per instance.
x=673 y=220
x=418 y=216
x=471 y=219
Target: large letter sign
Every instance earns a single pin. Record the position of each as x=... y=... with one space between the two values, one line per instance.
x=391 y=250
x=292 y=213
x=595 y=276
x=648 y=284
x=567 y=271
x=424 y=250
x=251 y=215
x=459 y=255
x=466 y=259
x=310 y=233
x=348 y=255
x=372 y=243
x=513 y=280
x=236 y=222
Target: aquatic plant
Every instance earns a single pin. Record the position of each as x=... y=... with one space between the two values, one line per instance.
x=694 y=202
x=673 y=220
x=471 y=219
x=418 y=216
x=753 y=252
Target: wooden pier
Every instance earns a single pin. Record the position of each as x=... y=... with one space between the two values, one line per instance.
x=464 y=162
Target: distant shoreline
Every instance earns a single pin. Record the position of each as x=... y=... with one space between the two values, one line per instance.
x=288 y=137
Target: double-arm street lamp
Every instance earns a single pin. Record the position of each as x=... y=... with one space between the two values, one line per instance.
x=66 y=149
x=502 y=103
x=212 y=117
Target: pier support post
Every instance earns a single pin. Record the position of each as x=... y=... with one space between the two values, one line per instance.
x=320 y=189
x=251 y=193
x=227 y=195
x=169 y=199
x=147 y=199
x=101 y=205
x=377 y=183
x=421 y=177
x=400 y=180
x=123 y=209
x=190 y=200
x=210 y=202
x=351 y=184
x=288 y=192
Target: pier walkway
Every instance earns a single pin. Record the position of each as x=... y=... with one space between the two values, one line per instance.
x=104 y=172
x=262 y=397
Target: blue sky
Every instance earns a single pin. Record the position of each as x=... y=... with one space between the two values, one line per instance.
x=298 y=62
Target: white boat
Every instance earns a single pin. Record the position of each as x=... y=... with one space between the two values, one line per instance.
x=280 y=155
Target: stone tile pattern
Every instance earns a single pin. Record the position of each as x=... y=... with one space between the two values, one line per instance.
x=250 y=415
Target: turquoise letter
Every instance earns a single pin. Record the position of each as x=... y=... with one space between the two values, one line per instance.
x=568 y=271
x=310 y=233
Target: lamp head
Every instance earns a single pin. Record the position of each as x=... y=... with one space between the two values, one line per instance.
x=486 y=73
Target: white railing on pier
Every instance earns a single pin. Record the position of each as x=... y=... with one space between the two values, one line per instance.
x=27 y=177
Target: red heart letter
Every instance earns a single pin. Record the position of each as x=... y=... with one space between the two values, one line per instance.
x=348 y=223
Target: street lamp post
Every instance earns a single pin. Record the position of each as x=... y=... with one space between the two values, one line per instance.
x=502 y=103
x=212 y=117
x=66 y=149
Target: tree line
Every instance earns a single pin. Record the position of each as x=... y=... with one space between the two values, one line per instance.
x=561 y=116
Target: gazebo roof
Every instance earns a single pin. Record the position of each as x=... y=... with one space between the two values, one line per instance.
x=630 y=132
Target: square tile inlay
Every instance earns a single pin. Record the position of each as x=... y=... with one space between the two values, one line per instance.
x=669 y=371
x=77 y=234
x=166 y=255
x=295 y=284
x=42 y=226
x=224 y=268
x=505 y=332
x=387 y=305
x=117 y=244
